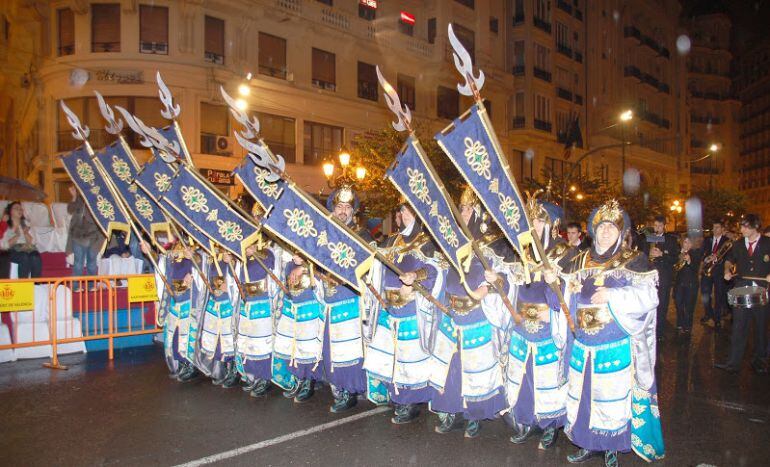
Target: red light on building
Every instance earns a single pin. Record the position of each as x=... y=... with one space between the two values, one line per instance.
x=407 y=18
x=368 y=3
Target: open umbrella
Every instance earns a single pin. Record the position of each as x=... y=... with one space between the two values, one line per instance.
x=14 y=189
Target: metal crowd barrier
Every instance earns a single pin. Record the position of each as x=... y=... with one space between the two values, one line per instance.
x=63 y=320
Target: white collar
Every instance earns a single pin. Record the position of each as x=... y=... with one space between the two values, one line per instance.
x=407 y=230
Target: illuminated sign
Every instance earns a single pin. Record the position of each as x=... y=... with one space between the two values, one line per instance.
x=369 y=3
x=407 y=18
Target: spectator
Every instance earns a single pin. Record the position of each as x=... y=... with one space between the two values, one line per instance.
x=85 y=238
x=576 y=237
x=117 y=246
x=20 y=244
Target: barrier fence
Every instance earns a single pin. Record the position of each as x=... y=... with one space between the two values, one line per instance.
x=44 y=317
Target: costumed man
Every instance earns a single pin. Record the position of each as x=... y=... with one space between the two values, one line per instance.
x=612 y=402
x=686 y=284
x=398 y=355
x=714 y=281
x=181 y=310
x=299 y=335
x=536 y=377
x=342 y=354
x=216 y=353
x=465 y=357
x=663 y=252
x=751 y=259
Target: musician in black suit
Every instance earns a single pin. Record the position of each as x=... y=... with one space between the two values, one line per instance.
x=751 y=258
x=686 y=284
x=663 y=251
x=718 y=305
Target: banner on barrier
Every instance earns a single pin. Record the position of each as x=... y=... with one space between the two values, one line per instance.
x=142 y=289
x=17 y=296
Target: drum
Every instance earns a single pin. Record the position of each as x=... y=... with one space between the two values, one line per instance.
x=747 y=297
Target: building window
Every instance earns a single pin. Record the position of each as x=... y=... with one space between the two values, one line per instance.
x=327 y=2
x=518 y=12
x=542 y=68
x=367 y=81
x=105 y=27
x=542 y=113
x=521 y=165
x=468 y=3
x=493 y=24
x=66 y=25
x=272 y=55
x=432 y=30
x=214 y=40
x=488 y=106
x=467 y=39
x=279 y=133
x=321 y=142
x=518 y=58
x=406 y=90
x=447 y=103
x=215 y=129
x=367 y=10
x=324 y=70
x=406 y=23
x=517 y=110
x=562 y=126
x=543 y=10
x=153 y=29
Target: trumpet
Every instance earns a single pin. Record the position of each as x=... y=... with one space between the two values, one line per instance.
x=684 y=260
x=720 y=255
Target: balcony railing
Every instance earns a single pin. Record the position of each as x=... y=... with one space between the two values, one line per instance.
x=213 y=57
x=564 y=50
x=324 y=85
x=543 y=125
x=578 y=57
x=105 y=46
x=160 y=48
x=651 y=80
x=272 y=71
x=367 y=90
x=518 y=70
x=631 y=31
x=542 y=74
x=664 y=88
x=542 y=24
x=66 y=49
x=518 y=19
x=578 y=15
x=711 y=95
x=563 y=93
x=564 y=6
x=706 y=120
x=630 y=70
x=578 y=99
x=518 y=122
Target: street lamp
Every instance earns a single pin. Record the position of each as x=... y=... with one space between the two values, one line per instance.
x=676 y=209
x=344 y=177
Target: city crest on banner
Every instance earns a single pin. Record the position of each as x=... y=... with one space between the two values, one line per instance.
x=471 y=144
x=95 y=192
x=205 y=208
x=309 y=228
x=417 y=182
x=120 y=166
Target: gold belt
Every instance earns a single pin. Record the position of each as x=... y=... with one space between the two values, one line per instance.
x=179 y=286
x=462 y=305
x=534 y=315
x=256 y=288
x=394 y=298
x=301 y=286
x=593 y=319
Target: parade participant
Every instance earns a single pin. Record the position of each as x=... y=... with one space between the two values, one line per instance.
x=342 y=355
x=298 y=337
x=180 y=311
x=612 y=402
x=751 y=259
x=663 y=251
x=686 y=284
x=575 y=237
x=399 y=352
x=216 y=352
x=713 y=276
x=535 y=372
x=465 y=369
x=255 y=331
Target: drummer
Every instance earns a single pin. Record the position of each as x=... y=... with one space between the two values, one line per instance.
x=749 y=263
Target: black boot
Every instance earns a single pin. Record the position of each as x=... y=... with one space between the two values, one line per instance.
x=231 y=377
x=448 y=423
x=261 y=388
x=344 y=401
x=548 y=439
x=405 y=414
x=221 y=369
x=292 y=393
x=248 y=387
x=582 y=456
x=189 y=373
x=611 y=459
x=524 y=432
x=306 y=391
x=472 y=428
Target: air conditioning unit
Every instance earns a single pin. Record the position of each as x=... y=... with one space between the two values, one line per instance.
x=224 y=145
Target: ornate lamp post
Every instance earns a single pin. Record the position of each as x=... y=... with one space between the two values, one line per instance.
x=344 y=174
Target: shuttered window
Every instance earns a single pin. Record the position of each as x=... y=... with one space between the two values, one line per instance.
x=105 y=27
x=214 y=40
x=324 y=72
x=367 y=81
x=153 y=29
x=272 y=55
x=66 y=25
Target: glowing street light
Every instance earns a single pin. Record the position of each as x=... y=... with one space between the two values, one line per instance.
x=344 y=158
x=241 y=104
x=627 y=116
x=714 y=147
x=360 y=173
x=244 y=89
x=328 y=168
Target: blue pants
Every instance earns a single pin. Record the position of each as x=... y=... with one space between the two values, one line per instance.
x=85 y=255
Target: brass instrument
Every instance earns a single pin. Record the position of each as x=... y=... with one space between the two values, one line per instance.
x=683 y=260
x=720 y=255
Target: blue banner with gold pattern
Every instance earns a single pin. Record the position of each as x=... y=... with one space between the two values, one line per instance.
x=174 y=136
x=119 y=164
x=204 y=207
x=472 y=145
x=95 y=192
x=309 y=228
x=155 y=179
x=252 y=177
x=417 y=182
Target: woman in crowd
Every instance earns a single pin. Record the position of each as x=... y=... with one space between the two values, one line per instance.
x=20 y=243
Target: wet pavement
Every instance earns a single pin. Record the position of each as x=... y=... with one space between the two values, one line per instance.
x=128 y=412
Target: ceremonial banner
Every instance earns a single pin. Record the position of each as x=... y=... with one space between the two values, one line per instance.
x=308 y=228
x=471 y=144
x=253 y=179
x=155 y=178
x=204 y=207
x=93 y=188
x=415 y=180
x=17 y=296
x=142 y=289
x=120 y=166
x=174 y=136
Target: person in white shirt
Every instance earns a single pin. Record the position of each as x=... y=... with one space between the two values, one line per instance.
x=20 y=243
